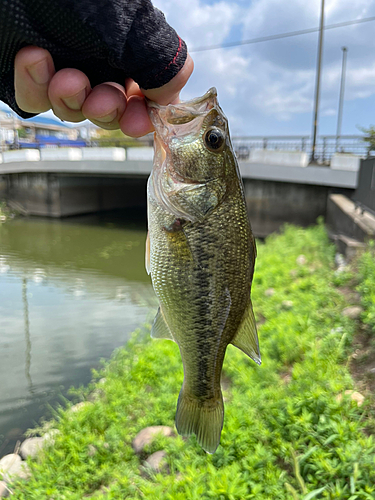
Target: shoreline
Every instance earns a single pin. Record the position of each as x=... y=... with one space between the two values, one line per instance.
x=285 y=421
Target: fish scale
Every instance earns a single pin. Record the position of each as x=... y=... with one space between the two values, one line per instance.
x=201 y=256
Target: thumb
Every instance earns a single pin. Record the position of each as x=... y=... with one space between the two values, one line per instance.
x=169 y=93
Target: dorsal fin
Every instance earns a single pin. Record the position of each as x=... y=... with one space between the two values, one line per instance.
x=246 y=337
x=160 y=329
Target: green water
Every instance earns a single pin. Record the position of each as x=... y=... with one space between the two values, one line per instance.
x=71 y=291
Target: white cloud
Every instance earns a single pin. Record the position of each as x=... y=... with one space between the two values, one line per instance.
x=268 y=88
x=273 y=82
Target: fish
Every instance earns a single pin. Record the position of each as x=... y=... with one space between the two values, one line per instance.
x=200 y=252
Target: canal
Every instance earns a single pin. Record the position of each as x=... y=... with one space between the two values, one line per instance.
x=71 y=291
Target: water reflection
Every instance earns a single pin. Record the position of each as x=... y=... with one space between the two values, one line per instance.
x=27 y=336
x=70 y=293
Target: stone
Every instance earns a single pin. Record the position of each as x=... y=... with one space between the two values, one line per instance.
x=269 y=292
x=354 y=395
x=10 y=466
x=49 y=437
x=24 y=472
x=80 y=406
x=95 y=395
x=4 y=491
x=349 y=247
x=31 y=447
x=157 y=462
x=340 y=261
x=352 y=312
x=287 y=304
x=147 y=435
x=301 y=260
x=91 y=450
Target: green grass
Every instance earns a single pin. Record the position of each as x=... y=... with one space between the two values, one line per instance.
x=5 y=212
x=285 y=435
x=366 y=270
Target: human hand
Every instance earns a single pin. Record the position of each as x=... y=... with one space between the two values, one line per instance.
x=68 y=93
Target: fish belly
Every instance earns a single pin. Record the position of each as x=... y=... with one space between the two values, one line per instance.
x=201 y=274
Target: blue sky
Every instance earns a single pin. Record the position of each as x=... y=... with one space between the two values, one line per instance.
x=268 y=88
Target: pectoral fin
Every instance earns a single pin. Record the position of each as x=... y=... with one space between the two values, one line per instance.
x=246 y=338
x=160 y=329
x=195 y=201
x=147 y=254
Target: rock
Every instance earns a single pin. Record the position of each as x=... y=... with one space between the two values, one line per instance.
x=24 y=472
x=287 y=304
x=10 y=466
x=147 y=435
x=91 y=450
x=301 y=260
x=340 y=261
x=49 y=437
x=80 y=406
x=31 y=447
x=352 y=312
x=95 y=395
x=354 y=395
x=293 y=273
x=157 y=462
x=348 y=246
x=269 y=292
x=4 y=491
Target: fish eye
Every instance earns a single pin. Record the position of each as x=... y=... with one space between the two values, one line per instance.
x=214 y=139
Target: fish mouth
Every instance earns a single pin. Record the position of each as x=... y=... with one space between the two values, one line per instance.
x=183 y=112
x=209 y=95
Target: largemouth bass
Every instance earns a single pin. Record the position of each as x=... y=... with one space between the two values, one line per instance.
x=200 y=253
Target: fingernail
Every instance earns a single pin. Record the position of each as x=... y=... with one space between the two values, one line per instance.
x=40 y=72
x=108 y=118
x=75 y=101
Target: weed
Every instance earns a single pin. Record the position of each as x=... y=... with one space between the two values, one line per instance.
x=283 y=438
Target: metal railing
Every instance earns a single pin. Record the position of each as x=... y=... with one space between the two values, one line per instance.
x=326 y=146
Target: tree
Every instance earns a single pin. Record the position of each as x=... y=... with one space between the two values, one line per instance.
x=369 y=137
x=111 y=138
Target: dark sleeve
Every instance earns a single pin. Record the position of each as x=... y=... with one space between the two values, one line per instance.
x=109 y=40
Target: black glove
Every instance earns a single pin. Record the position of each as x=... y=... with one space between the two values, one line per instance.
x=108 y=40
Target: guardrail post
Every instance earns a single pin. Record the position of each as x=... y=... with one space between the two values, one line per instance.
x=324 y=149
x=264 y=143
x=303 y=144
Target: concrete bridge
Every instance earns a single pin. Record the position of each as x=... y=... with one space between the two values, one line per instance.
x=275 y=193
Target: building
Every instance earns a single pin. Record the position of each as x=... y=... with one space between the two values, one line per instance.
x=37 y=132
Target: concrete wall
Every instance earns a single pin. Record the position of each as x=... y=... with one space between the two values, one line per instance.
x=271 y=204
x=344 y=218
x=57 y=195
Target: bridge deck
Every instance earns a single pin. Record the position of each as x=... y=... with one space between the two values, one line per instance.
x=314 y=175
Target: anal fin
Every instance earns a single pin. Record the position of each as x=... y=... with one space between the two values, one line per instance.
x=147 y=254
x=160 y=329
x=246 y=337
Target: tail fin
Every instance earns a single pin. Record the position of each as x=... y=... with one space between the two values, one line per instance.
x=202 y=418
